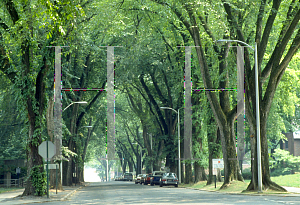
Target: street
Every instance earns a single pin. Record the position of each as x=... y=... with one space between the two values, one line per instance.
x=120 y=192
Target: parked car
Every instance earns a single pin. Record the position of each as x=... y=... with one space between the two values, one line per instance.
x=142 y=181
x=128 y=176
x=168 y=179
x=138 y=179
x=155 y=179
x=116 y=178
x=147 y=179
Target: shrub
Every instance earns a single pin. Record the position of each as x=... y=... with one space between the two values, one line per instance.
x=247 y=175
x=282 y=163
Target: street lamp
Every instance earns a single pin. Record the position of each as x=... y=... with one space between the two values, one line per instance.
x=257 y=110
x=89 y=126
x=80 y=102
x=141 y=155
x=179 y=165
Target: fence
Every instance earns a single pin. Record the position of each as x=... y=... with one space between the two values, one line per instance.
x=12 y=182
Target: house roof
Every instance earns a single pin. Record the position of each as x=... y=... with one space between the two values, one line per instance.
x=297 y=135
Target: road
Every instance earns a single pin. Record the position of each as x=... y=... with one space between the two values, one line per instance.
x=129 y=193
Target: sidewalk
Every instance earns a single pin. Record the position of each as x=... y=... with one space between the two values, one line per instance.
x=292 y=189
x=13 y=197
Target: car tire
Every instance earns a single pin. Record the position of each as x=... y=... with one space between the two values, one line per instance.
x=176 y=185
x=160 y=184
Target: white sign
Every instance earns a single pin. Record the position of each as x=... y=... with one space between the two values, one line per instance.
x=218 y=163
x=215 y=172
x=43 y=150
x=51 y=166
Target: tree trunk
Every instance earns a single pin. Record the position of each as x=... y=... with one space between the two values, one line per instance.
x=231 y=166
x=188 y=173
x=130 y=165
x=80 y=170
x=124 y=165
x=266 y=180
x=182 y=172
x=69 y=172
x=34 y=118
x=33 y=159
x=200 y=174
x=157 y=165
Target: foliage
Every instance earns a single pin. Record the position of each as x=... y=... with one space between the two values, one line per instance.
x=247 y=174
x=39 y=180
x=283 y=163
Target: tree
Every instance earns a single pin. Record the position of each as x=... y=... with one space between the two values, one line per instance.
x=26 y=65
x=287 y=44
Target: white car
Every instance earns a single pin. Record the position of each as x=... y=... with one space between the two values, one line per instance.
x=168 y=179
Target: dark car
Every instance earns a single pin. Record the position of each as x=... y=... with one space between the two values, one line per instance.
x=155 y=179
x=147 y=179
x=128 y=176
x=168 y=179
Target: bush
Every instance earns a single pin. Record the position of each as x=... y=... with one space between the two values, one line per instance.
x=282 y=163
x=247 y=174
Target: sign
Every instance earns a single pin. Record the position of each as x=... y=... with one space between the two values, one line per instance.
x=18 y=170
x=218 y=163
x=43 y=150
x=215 y=171
x=51 y=166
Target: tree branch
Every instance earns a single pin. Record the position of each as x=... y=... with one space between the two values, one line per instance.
x=265 y=38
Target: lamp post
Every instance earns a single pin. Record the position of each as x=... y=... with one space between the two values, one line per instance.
x=141 y=155
x=151 y=155
x=80 y=102
x=257 y=109
x=178 y=126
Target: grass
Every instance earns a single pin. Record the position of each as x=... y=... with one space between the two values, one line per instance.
x=235 y=186
x=240 y=187
x=2 y=190
x=292 y=180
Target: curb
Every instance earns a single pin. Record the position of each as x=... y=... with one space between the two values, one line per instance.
x=72 y=192
x=288 y=194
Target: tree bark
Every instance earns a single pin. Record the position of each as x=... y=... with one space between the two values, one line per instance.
x=188 y=173
x=200 y=174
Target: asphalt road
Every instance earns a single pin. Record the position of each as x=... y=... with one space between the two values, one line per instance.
x=129 y=193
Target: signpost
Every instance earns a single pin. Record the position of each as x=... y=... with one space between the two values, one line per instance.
x=217 y=164
x=47 y=150
x=18 y=172
x=53 y=166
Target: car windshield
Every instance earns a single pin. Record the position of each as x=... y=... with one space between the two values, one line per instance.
x=170 y=175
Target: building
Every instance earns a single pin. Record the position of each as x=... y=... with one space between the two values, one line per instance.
x=292 y=144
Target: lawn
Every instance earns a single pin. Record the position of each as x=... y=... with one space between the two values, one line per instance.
x=235 y=186
x=292 y=180
x=8 y=189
